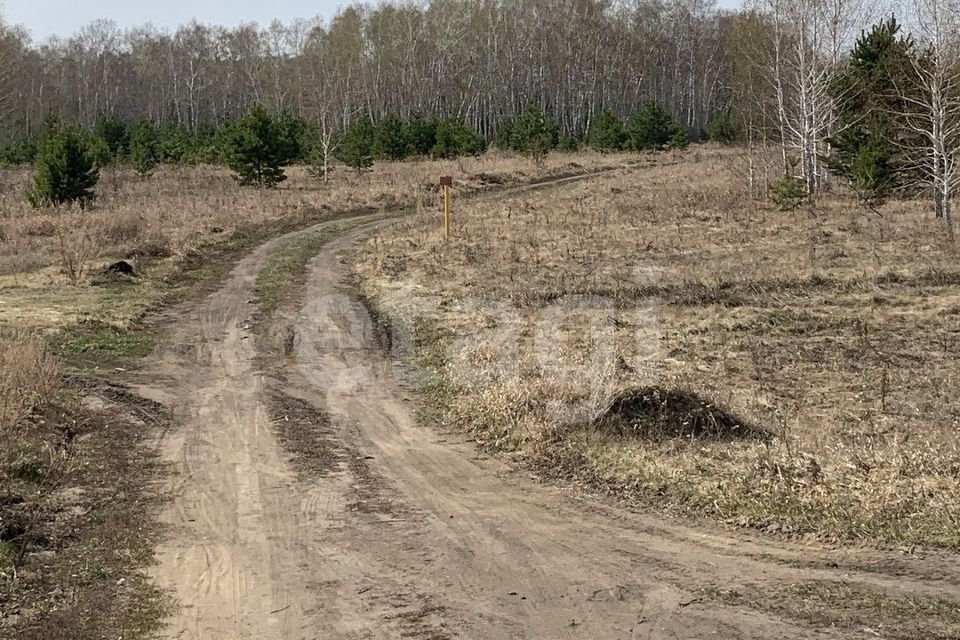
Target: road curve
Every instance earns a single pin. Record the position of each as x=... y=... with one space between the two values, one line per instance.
x=395 y=530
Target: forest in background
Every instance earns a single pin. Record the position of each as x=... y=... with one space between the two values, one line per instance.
x=787 y=74
x=479 y=60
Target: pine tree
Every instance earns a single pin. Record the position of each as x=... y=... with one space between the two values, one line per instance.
x=680 y=138
x=723 y=128
x=390 y=139
x=567 y=143
x=535 y=133
x=257 y=149
x=115 y=136
x=144 y=147
x=652 y=128
x=356 y=147
x=421 y=134
x=790 y=191
x=869 y=166
x=18 y=152
x=503 y=139
x=454 y=139
x=606 y=132
x=867 y=148
x=298 y=135
x=206 y=145
x=65 y=170
x=174 y=144
x=98 y=149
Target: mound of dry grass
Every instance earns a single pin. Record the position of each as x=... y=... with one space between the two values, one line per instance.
x=831 y=328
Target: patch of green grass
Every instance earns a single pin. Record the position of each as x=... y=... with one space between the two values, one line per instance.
x=24 y=464
x=97 y=572
x=721 y=594
x=92 y=343
x=430 y=355
x=8 y=553
x=817 y=593
x=285 y=266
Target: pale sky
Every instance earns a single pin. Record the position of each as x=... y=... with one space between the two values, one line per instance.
x=44 y=18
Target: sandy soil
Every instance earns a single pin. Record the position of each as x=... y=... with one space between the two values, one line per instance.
x=390 y=529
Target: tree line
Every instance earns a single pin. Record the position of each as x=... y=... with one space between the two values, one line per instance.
x=841 y=88
x=480 y=61
x=259 y=146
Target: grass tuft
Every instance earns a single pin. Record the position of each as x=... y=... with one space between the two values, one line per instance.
x=285 y=266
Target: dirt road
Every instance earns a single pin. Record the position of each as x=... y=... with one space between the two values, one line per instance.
x=396 y=530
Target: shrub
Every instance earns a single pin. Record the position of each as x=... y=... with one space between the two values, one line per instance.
x=454 y=138
x=535 y=133
x=66 y=171
x=356 y=147
x=78 y=246
x=606 y=132
x=257 y=149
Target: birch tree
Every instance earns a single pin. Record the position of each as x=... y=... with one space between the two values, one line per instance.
x=807 y=41
x=7 y=52
x=936 y=100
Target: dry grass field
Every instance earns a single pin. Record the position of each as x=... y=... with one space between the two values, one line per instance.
x=652 y=331
x=793 y=371
x=50 y=260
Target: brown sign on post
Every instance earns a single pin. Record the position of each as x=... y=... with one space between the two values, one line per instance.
x=447 y=183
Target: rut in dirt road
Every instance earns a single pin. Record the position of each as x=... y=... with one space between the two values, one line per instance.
x=235 y=561
x=401 y=533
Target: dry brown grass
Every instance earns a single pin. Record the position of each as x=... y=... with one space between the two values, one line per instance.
x=157 y=220
x=28 y=377
x=832 y=330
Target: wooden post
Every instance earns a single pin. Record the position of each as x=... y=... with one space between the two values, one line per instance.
x=447 y=183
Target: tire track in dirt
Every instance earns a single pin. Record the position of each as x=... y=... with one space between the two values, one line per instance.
x=405 y=534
